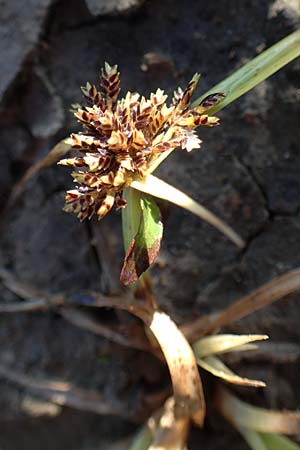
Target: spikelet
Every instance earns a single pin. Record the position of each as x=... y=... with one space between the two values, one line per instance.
x=110 y=83
x=186 y=96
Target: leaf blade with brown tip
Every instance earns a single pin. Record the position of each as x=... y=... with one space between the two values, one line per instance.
x=145 y=245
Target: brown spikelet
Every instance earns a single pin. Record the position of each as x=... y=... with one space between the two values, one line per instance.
x=209 y=101
x=186 y=96
x=107 y=204
x=110 y=82
x=74 y=162
x=92 y=95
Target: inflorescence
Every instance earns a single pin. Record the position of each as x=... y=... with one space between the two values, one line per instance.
x=121 y=139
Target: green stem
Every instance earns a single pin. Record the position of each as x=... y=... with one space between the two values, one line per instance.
x=131 y=215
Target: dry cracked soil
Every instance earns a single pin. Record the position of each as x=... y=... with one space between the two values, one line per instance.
x=247 y=172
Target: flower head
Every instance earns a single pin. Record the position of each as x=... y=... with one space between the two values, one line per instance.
x=122 y=137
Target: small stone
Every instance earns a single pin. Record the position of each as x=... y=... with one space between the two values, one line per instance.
x=20 y=28
x=103 y=7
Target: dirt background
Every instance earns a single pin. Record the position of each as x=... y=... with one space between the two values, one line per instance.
x=247 y=172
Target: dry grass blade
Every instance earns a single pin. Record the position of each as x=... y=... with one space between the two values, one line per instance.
x=241 y=414
x=187 y=386
x=43 y=301
x=260 y=298
x=217 y=368
x=62 y=393
x=37 y=300
x=223 y=343
x=29 y=306
x=53 y=156
x=83 y=320
x=158 y=188
x=21 y=289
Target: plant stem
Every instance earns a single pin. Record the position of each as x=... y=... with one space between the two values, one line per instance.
x=131 y=215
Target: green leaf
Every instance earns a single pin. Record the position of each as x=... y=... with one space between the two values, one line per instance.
x=255 y=71
x=143 y=439
x=224 y=343
x=145 y=245
x=217 y=368
x=159 y=188
x=275 y=441
x=241 y=414
x=267 y=441
x=248 y=76
x=253 y=439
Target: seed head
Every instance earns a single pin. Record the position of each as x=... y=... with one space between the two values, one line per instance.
x=121 y=138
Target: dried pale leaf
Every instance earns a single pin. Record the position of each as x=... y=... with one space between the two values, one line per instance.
x=53 y=156
x=217 y=368
x=223 y=343
x=241 y=414
x=158 y=188
x=187 y=386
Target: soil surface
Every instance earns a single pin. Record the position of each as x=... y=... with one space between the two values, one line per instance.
x=247 y=172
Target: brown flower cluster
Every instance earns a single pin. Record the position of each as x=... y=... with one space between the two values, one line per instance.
x=121 y=138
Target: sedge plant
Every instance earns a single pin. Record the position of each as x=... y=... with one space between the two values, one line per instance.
x=122 y=143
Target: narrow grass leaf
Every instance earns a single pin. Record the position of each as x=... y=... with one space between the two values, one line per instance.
x=255 y=71
x=241 y=414
x=223 y=343
x=145 y=245
x=159 y=188
x=217 y=368
x=144 y=437
x=249 y=76
x=275 y=441
x=253 y=439
x=267 y=441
